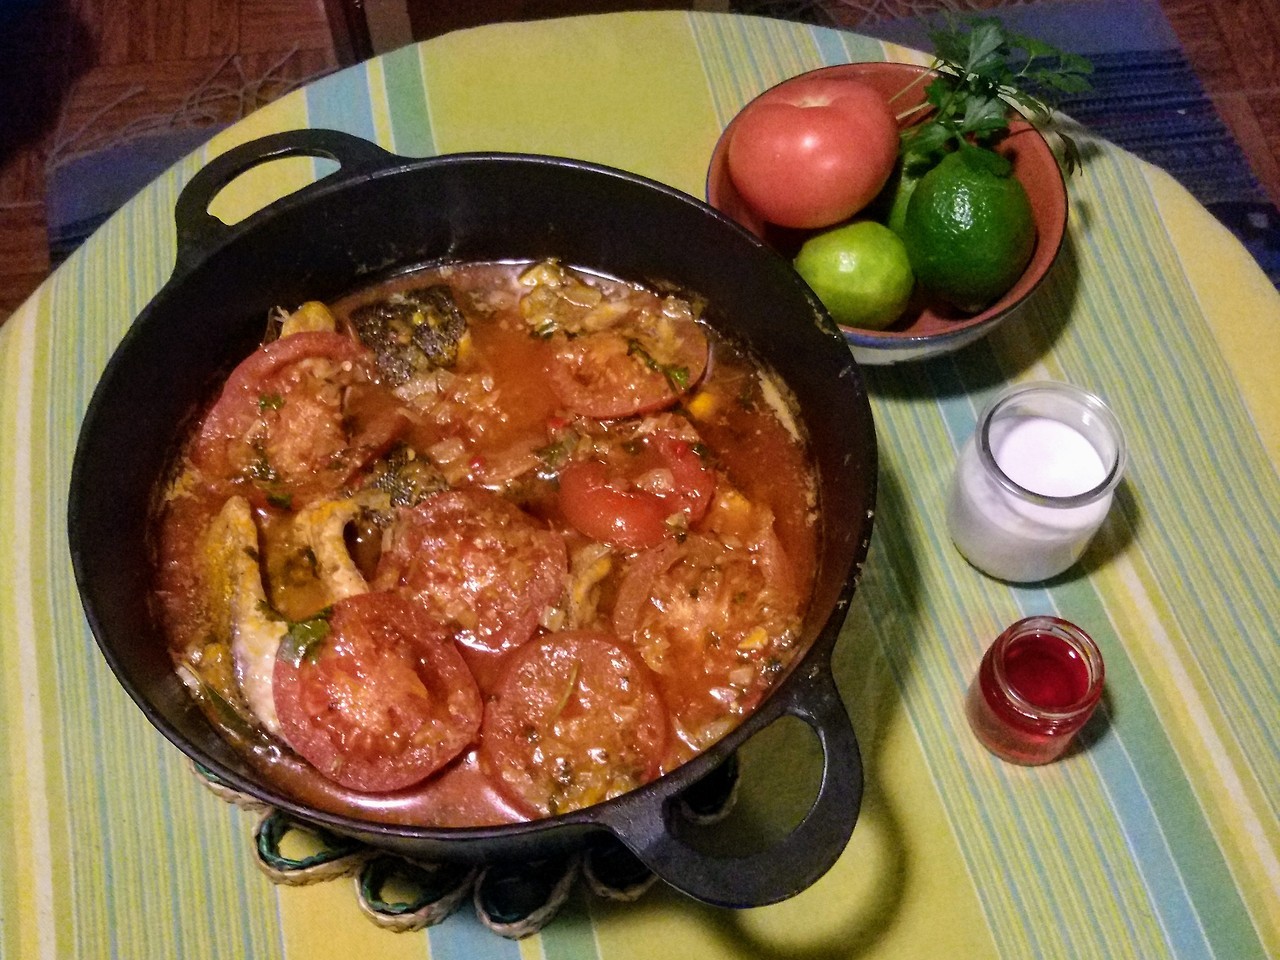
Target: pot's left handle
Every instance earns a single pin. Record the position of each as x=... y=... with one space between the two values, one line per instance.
x=200 y=232
x=655 y=834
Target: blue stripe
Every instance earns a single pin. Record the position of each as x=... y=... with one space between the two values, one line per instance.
x=1179 y=916
x=830 y=44
x=961 y=391
x=340 y=101
x=463 y=937
x=1217 y=605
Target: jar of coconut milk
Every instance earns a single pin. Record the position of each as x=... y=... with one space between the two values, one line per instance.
x=1035 y=481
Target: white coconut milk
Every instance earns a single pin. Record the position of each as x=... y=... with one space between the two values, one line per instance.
x=1019 y=537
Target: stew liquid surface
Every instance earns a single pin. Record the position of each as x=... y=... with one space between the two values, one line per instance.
x=486 y=543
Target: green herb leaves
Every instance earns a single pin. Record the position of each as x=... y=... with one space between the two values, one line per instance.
x=983 y=70
x=303 y=638
x=677 y=376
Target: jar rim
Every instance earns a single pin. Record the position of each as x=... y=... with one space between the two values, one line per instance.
x=1069 y=633
x=1093 y=403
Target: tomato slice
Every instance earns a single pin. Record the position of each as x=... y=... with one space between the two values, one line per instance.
x=574 y=720
x=716 y=620
x=649 y=488
x=381 y=700
x=645 y=363
x=296 y=420
x=479 y=563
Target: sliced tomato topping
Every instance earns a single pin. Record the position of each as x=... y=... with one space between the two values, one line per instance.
x=296 y=420
x=646 y=363
x=376 y=698
x=646 y=489
x=479 y=563
x=716 y=621
x=574 y=720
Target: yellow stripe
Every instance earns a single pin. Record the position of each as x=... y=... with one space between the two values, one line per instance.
x=1235 y=297
x=903 y=54
x=919 y=624
x=119 y=797
x=902 y=871
x=31 y=883
x=1167 y=344
x=547 y=97
x=267 y=183
x=376 y=77
x=323 y=920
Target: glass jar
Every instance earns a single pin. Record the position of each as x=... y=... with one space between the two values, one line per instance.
x=1038 y=684
x=1035 y=481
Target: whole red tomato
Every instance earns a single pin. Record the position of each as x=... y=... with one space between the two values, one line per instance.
x=813 y=152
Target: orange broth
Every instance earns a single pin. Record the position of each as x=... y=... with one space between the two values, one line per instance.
x=739 y=544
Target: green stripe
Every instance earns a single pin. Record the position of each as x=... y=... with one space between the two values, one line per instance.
x=411 y=120
x=857 y=47
x=1084 y=360
x=135 y=828
x=570 y=937
x=743 y=56
x=912 y=530
x=1201 y=865
x=1213 y=563
x=46 y=530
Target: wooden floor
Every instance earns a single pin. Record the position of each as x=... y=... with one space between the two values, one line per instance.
x=76 y=75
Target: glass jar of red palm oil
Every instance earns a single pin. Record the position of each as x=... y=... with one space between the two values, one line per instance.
x=1037 y=685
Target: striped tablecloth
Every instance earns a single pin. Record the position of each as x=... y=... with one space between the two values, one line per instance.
x=1159 y=838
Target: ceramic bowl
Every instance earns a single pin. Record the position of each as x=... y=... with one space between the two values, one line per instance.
x=927 y=329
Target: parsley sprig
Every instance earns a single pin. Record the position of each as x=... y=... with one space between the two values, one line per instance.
x=983 y=70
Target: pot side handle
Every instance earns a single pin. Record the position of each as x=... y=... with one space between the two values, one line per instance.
x=787 y=866
x=199 y=232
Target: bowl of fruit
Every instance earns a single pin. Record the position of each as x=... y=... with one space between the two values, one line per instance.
x=923 y=205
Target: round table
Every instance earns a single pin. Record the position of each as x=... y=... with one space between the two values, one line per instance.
x=1157 y=837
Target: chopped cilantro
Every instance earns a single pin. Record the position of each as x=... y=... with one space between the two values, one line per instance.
x=304 y=636
x=677 y=376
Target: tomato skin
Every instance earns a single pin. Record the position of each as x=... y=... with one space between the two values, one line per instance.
x=623 y=518
x=280 y=429
x=477 y=562
x=713 y=617
x=813 y=152
x=381 y=702
x=574 y=720
x=602 y=501
x=611 y=374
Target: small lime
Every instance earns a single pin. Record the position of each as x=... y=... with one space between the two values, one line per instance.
x=969 y=229
x=860 y=271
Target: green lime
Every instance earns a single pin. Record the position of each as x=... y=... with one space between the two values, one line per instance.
x=969 y=229
x=860 y=272
x=890 y=206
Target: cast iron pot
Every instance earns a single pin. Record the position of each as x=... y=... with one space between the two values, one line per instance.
x=380 y=213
